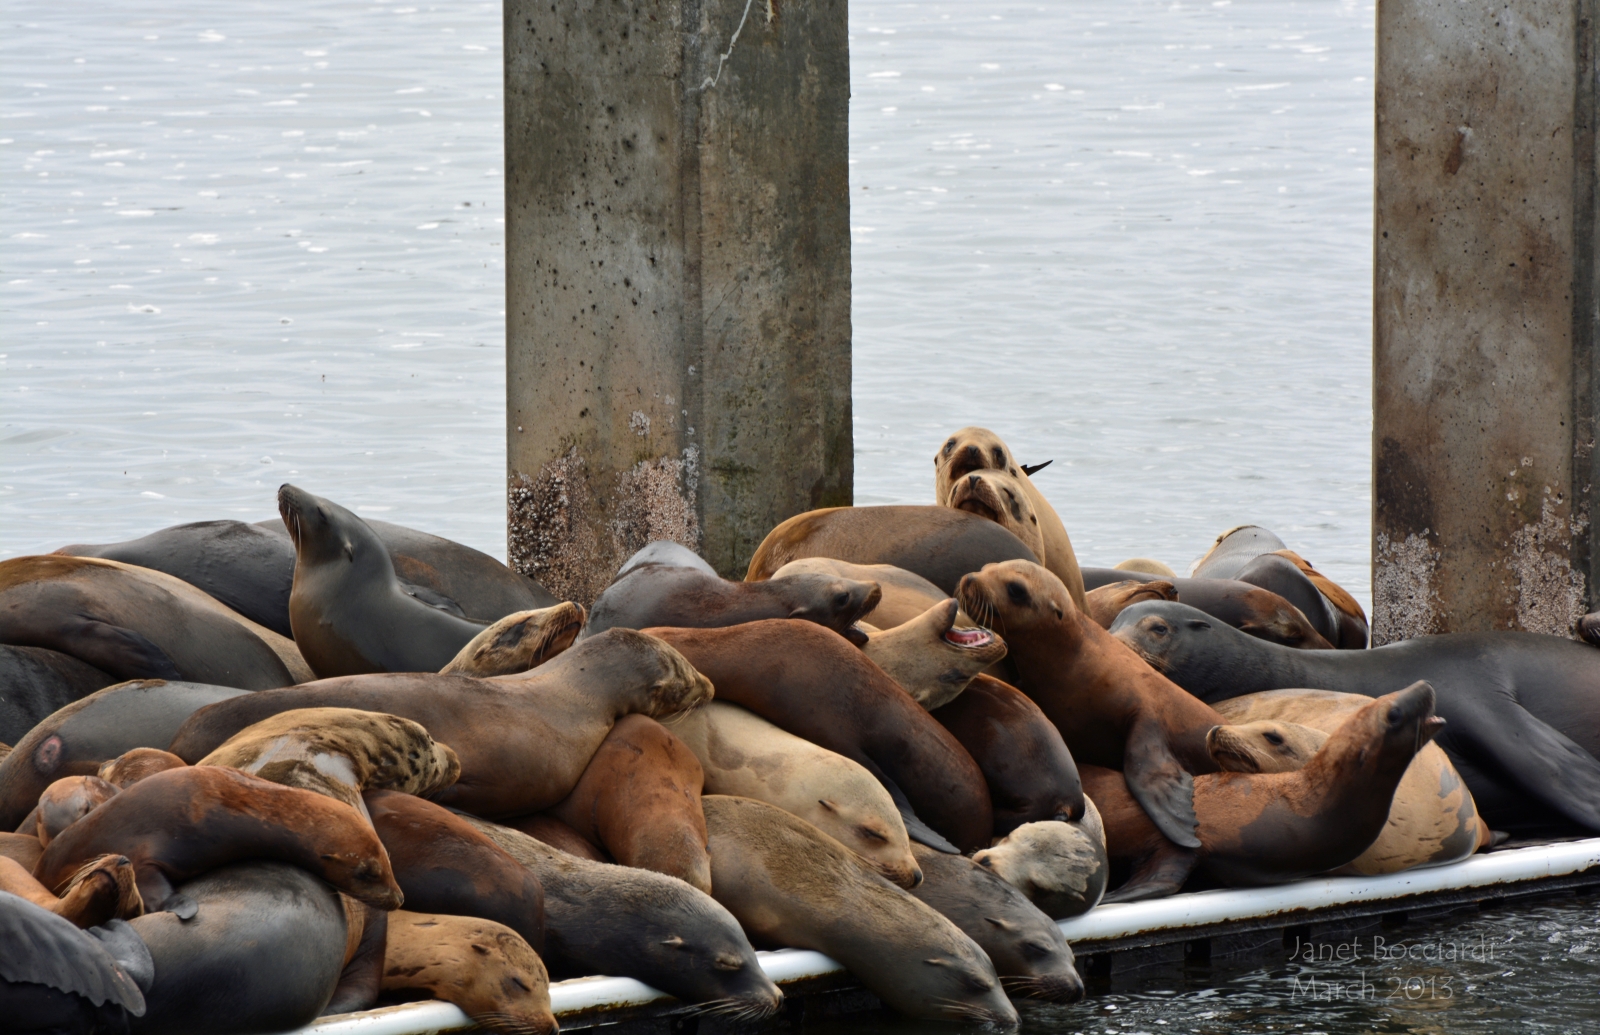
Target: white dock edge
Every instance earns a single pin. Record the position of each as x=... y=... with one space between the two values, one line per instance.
x=1104 y=923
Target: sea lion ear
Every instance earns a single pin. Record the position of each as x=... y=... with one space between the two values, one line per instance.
x=1031 y=470
x=998 y=923
x=825 y=803
x=673 y=942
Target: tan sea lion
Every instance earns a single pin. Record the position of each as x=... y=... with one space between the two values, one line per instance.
x=523 y=741
x=976 y=449
x=104 y=889
x=132 y=766
x=485 y=968
x=23 y=848
x=639 y=798
x=519 y=641
x=930 y=658
x=1061 y=867
x=746 y=756
x=1106 y=602
x=998 y=497
x=183 y=822
x=1110 y=706
x=340 y=752
x=1433 y=819
x=790 y=884
x=68 y=800
x=905 y=594
x=1146 y=566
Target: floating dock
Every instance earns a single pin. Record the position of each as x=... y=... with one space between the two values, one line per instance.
x=1110 y=938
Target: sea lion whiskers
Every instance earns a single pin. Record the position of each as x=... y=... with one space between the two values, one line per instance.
x=737 y=1008
x=1052 y=988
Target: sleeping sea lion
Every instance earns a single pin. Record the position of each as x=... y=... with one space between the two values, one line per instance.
x=37 y=682
x=1524 y=709
x=1111 y=708
x=1061 y=867
x=1108 y=601
x=1145 y=566
x=103 y=890
x=66 y=801
x=132 y=766
x=1250 y=553
x=485 y=968
x=1259 y=612
x=905 y=595
x=930 y=658
x=518 y=642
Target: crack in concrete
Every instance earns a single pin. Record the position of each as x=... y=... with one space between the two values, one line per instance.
x=711 y=80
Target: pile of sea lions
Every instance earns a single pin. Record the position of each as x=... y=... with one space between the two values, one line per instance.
x=264 y=773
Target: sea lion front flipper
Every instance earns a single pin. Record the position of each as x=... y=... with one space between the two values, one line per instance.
x=362 y=978
x=433 y=598
x=1158 y=875
x=1537 y=758
x=918 y=831
x=119 y=651
x=1161 y=786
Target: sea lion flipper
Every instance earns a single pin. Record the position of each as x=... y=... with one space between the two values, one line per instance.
x=1161 y=874
x=918 y=831
x=115 y=649
x=1544 y=762
x=1032 y=469
x=433 y=598
x=1161 y=786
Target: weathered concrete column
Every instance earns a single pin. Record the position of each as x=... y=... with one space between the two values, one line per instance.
x=1485 y=474
x=678 y=278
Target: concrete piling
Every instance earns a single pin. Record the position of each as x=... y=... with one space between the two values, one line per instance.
x=1486 y=371
x=678 y=278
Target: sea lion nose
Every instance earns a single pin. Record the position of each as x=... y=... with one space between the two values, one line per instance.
x=972 y=479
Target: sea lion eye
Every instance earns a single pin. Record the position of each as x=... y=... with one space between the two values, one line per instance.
x=1395 y=717
x=1273 y=738
x=1158 y=628
x=871 y=835
x=999 y=457
x=1035 y=951
x=1195 y=623
x=1017 y=592
x=727 y=961
x=949 y=446
x=841 y=600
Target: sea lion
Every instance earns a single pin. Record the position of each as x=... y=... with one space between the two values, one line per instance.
x=75 y=740
x=1250 y=553
x=544 y=827
x=1271 y=828
x=1030 y=772
x=1061 y=867
x=132 y=766
x=1000 y=498
x=347 y=608
x=815 y=685
x=443 y=865
x=133 y=623
x=1027 y=949
x=340 y=752
x=1111 y=708
x=1145 y=566
x=746 y=756
x=1524 y=709
x=56 y=978
x=518 y=642
x=937 y=543
x=1108 y=601
x=606 y=919
x=262 y=951
x=975 y=449
x=792 y=885
x=1259 y=612
x=485 y=968
x=930 y=658
x=523 y=741
x=183 y=822
x=1587 y=628
x=103 y=890
x=22 y=848
x=1432 y=820
x=68 y=800
x=668 y=553
x=905 y=594
x=639 y=798
x=37 y=682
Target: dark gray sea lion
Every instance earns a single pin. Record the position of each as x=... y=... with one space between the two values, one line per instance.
x=1259 y=612
x=1027 y=949
x=650 y=593
x=35 y=682
x=1588 y=628
x=607 y=919
x=262 y=952
x=1523 y=708
x=78 y=739
x=1255 y=555
x=56 y=978
x=137 y=623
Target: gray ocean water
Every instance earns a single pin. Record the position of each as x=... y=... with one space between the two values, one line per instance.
x=245 y=244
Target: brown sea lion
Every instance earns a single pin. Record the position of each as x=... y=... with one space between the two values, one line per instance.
x=1030 y=772
x=792 y=885
x=134 y=623
x=746 y=756
x=936 y=543
x=183 y=822
x=263 y=950
x=518 y=642
x=650 y=593
x=1027 y=949
x=1352 y=620
x=542 y=826
x=605 y=919
x=132 y=766
x=523 y=741
x=37 y=682
x=1432 y=820
x=639 y=798
x=815 y=685
x=77 y=739
x=444 y=865
x=905 y=594
x=1106 y=602
x=102 y=890
x=1111 y=708
x=1061 y=867
x=23 y=848
x=976 y=449
x=66 y=801
x=340 y=752
x=485 y=968
x=930 y=658
x=1000 y=498
x=56 y=978
x=1251 y=609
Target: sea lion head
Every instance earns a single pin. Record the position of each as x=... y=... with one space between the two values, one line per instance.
x=325 y=533
x=1265 y=746
x=483 y=967
x=130 y=767
x=1061 y=867
x=519 y=641
x=104 y=888
x=660 y=681
x=1108 y=601
x=970 y=449
x=932 y=659
x=1016 y=598
x=1166 y=633
x=1382 y=737
x=828 y=600
x=1146 y=566
x=68 y=800
x=999 y=497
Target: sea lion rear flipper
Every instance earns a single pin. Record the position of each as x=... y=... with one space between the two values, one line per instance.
x=1537 y=758
x=1160 y=874
x=119 y=651
x=1161 y=786
x=919 y=831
